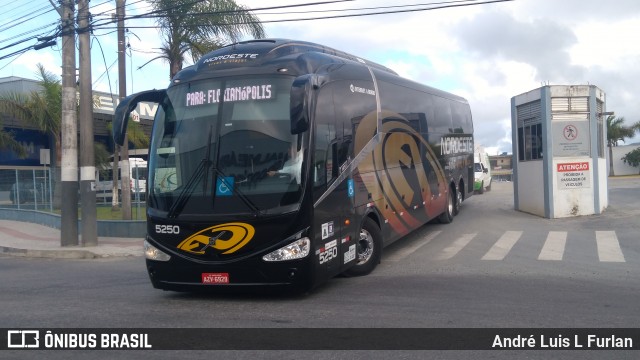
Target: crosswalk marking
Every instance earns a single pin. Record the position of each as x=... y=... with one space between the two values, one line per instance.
x=399 y=255
x=457 y=245
x=608 y=247
x=502 y=247
x=553 y=248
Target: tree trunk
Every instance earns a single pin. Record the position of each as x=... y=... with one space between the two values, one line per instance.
x=174 y=66
x=115 y=178
x=611 y=161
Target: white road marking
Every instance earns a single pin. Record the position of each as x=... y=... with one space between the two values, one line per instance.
x=502 y=247
x=554 y=246
x=457 y=245
x=404 y=252
x=609 y=247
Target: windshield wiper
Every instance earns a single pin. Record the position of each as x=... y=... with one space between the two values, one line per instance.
x=187 y=190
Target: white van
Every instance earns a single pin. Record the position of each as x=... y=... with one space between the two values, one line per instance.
x=137 y=181
x=482 y=172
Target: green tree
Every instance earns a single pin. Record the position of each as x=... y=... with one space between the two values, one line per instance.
x=632 y=158
x=8 y=141
x=43 y=109
x=616 y=131
x=40 y=108
x=195 y=28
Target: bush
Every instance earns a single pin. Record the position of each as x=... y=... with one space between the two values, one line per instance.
x=632 y=158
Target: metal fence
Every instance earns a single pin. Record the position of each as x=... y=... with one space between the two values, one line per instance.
x=26 y=189
x=33 y=188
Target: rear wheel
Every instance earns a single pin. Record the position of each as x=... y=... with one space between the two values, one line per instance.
x=458 y=200
x=368 y=249
x=447 y=216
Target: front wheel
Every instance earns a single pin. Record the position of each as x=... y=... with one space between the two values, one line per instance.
x=368 y=249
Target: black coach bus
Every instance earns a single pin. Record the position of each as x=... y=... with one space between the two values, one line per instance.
x=285 y=163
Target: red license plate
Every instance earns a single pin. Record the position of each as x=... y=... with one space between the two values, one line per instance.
x=215 y=278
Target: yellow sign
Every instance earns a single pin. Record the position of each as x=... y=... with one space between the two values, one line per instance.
x=226 y=238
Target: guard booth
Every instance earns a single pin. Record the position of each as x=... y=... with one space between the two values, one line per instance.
x=559 y=136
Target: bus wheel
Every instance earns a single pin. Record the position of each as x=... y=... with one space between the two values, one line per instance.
x=368 y=249
x=447 y=216
x=458 y=201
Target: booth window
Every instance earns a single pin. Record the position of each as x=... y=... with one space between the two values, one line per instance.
x=529 y=131
x=600 y=110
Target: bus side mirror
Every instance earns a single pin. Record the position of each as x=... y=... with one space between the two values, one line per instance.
x=126 y=106
x=299 y=101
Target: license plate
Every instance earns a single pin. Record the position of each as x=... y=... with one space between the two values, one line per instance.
x=215 y=278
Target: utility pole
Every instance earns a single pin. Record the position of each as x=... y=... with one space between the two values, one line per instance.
x=69 y=129
x=87 y=160
x=122 y=92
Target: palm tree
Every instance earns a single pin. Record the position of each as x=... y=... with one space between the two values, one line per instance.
x=195 y=28
x=139 y=140
x=43 y=108
x=7 y=141
x=616 y=131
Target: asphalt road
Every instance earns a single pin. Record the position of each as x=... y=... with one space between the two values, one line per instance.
x=492 y=267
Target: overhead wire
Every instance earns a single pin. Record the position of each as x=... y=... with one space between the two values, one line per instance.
x=103 y=24
x=443 y=5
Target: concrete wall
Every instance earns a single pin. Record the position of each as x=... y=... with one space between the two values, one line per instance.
x=531 y=187
x=106 y=228
x=619 y=166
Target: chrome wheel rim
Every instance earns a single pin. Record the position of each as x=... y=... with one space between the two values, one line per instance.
x=365 y=247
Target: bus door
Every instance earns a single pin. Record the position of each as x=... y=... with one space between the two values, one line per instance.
x=329 y=196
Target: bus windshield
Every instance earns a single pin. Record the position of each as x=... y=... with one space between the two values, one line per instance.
x=224 y=146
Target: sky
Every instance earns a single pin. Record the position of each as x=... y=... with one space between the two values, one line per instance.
x=487 y=53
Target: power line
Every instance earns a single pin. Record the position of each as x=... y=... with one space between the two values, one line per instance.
x=20 y=20
x=26 y=33
x=97 y=25
x=363 y=8
x=448 y=4
x=152 y=14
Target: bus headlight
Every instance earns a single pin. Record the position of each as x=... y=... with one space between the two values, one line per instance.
x=296 y=250
x=153 y=253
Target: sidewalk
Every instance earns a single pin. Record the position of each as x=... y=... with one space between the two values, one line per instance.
x=39 y=241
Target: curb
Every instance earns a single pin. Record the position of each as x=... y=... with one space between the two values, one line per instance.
x=76 y=254
x=50 y=254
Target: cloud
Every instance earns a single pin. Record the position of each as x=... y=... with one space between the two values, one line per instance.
x=543 y=44
x=29 y=62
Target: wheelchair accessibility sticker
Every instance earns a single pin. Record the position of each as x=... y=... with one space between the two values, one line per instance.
x=350 y=189
x=224 y=186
